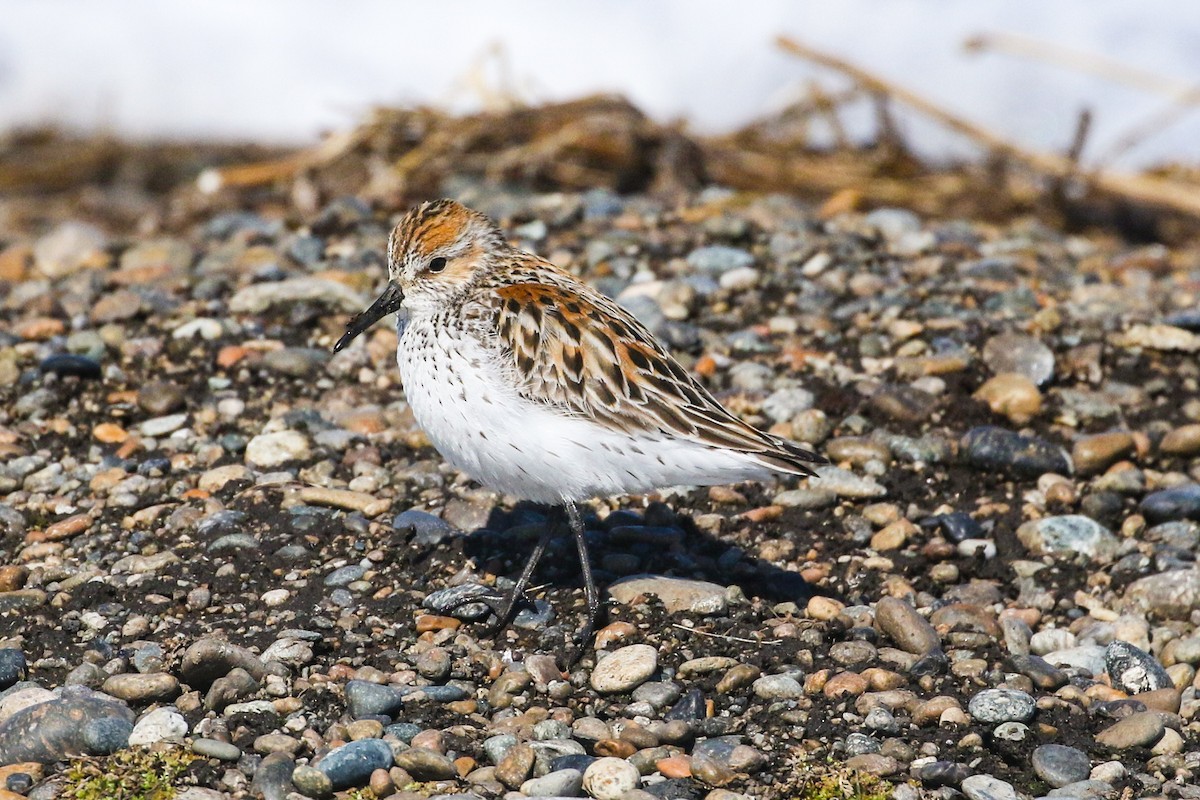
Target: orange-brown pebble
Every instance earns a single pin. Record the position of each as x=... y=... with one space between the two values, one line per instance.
x=110 y=433
x=31 y=768
x=433 y=622
x=1161 y=700
x=705 y=366
x=364 y=421
x=841 y=202
x=66 y=528
x=763 y=514
x=341 y=672
x=883 y=680
x=893 y=536
x=930 y=711
x=431 y=740
x=230 y=355
x=1182 y=441
x=13 y=577
x=1098 y=691
x=462 y=765
x=39 y=329
x=1030 y=616
x=824 y=608
x=381 y=783
x=675 y=767
x=196 y=494
x=15 y=262
x=725 y=495
x=1094 y=453
x=614 y=632
x=814 y=683
x=128 y=447
x=817 y=573
x=1011 y=395
x=616 y=748
x=463 y=707
x=845 y=684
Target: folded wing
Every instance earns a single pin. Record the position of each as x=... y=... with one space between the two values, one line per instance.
x=574 y=349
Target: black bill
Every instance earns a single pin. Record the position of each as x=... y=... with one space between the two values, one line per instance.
x=388 y=303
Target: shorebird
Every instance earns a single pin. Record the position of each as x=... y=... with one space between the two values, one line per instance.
x=537 y=385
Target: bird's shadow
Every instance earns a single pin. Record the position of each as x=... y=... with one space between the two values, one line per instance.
x=627 y=542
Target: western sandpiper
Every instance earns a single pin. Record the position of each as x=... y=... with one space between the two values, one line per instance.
x=539 y=386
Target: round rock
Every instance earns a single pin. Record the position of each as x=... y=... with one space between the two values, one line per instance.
x=1058 y=764
x=159 y=724
x=985 y=787
x=625 y=669
x=1133 y=670
x=269 y=450
x=905 y=626
x=1067 y=535
x=1002 y=705
x=609 y=778
x=352 y=764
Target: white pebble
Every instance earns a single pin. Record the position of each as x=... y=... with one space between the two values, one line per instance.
x=275 y=449
x=275 y=597
x=159 y=724
x=609 y=778
x=626 y=668
x=206 y=327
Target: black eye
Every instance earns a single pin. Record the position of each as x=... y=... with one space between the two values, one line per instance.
x=437 y=265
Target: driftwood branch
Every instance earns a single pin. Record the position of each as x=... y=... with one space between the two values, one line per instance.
x=1183 y=96
x=1148 y=189
x=1178 y=90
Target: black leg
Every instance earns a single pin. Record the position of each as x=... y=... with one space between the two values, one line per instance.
x=590 y=591
x=504 y=611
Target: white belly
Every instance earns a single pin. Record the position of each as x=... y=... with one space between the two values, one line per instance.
x=477 y=421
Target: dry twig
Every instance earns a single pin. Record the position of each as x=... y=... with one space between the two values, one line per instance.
x=1148 y=189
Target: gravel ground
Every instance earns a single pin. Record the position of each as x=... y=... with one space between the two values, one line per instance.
x=219 y=538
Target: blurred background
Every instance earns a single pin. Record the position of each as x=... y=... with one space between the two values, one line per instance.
x=284 y=71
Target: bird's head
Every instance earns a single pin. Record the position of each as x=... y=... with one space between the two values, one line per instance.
x=434 y=253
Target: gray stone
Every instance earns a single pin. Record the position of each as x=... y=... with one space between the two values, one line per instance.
x=211 y=658
x=1002 y=705
x=1059 y=764
x=988 y=448
x=365 y=699
x=273 y=778
x=1133 y=670
x=985 y=787
x=222 y=751
x=1067 y=535
x=715 y=259
x=1176 y=503
x=352 y=763
x=778 y=687
x=560 y=783
x=1174 y=594
x=75 y=723
x=426 y=528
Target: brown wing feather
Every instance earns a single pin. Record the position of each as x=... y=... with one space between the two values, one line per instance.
x=576 y=350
